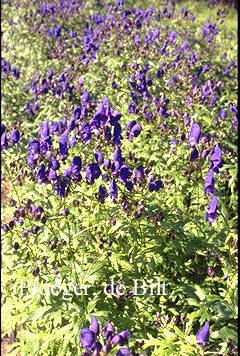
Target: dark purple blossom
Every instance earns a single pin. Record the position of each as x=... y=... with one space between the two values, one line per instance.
x=63 y=145
x=209 y=183
x=223 y=114
x=44 y=137
x=139 y=173
x=94 y=325
x=215 y=158
x=107 y=331
x=117 y=134
x=194 y=154
x=107 y=164
x=33 y=152
x=86 y=133
x=99 y=157
x=121 y=338
x=124 y=173
x=4 y=142
x=41 y=174
x=194 y=134
x=117 y=155
x=155 y=186
x=92 y=172
x=203 y=334
x=102 y=193
x=211 y=214
x=87 y=338
x=113 y=191
x=15 y=136
x=115 y=168
x=123 y=352
x=76 y=167
x=55 y=128
x=54 y=164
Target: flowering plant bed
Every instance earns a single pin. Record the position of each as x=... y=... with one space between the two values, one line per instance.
x=119 y=174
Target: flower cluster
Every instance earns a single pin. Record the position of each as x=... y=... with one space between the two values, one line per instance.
x=89 y=339
x=7 y=68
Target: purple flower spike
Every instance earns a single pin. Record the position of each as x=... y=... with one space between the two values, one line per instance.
x=194 y=134
x=87 y=338
x=121 y=338
x=211 y=214
x=15 y=136
x=202 y=335
x=123 y=352
x=209 y=183
x=94 y=325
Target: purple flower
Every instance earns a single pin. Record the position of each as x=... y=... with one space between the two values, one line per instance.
x=223 y=114
x=41 y=174
x=55 y=128
x=4 y=142
x=211 y=214
x=44 y=137
x=209 y=183
x=108 y=331
x=99 y=157
x=3 y=128
x=94 y=325
x=113 y=193
x=193 y=154
x=121 y=338
x=139 y=173
x=87 y=338
x=54 y=164
x=117 y=134
x=123 y=352
x=86 y=132
x=215 y=158
x=194 y=134
x=124 y=173
x=117 y=155
x=202 y=335
x=63 y=145
x=33 y=152
x=155 y=186
x=92 y=172
x=15 y=136
x=134 y=131
x=76 y=167
x=102 y=193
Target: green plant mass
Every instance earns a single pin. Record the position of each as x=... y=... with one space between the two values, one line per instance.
x=119 y=177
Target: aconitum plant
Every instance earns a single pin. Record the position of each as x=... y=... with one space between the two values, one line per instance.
x=119 y=177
